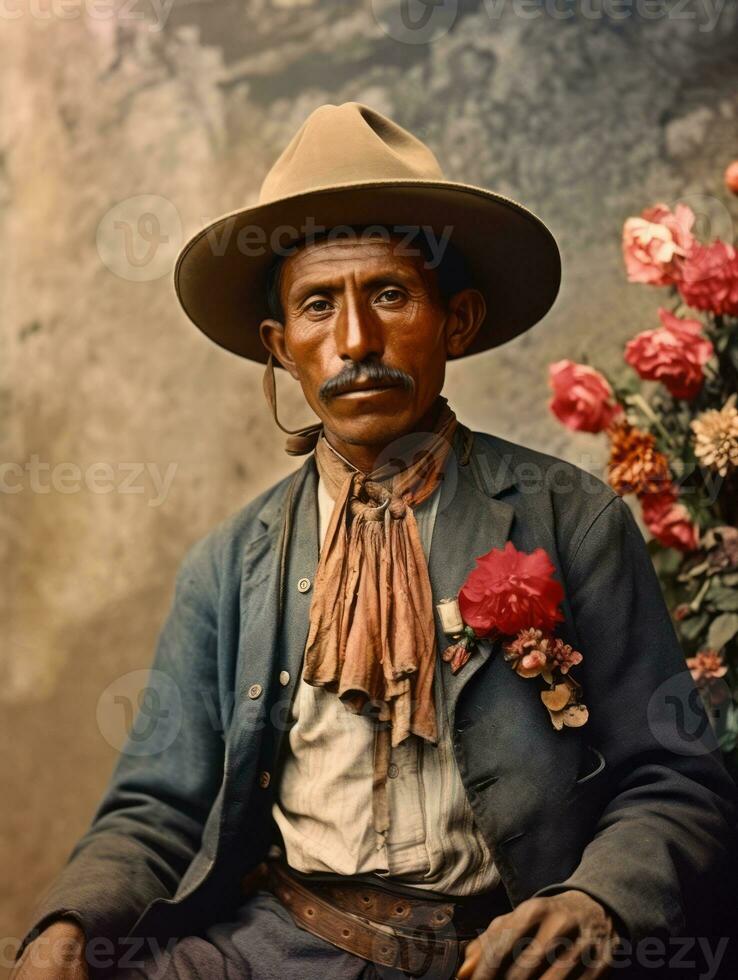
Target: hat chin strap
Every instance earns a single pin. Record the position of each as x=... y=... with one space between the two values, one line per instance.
x=300 y=441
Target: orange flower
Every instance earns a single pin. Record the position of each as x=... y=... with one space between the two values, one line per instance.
x=635 y=465
x=731 y=177
x=706 y=666
x=707 y=670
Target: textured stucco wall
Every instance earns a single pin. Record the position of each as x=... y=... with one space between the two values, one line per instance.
x=585 y=119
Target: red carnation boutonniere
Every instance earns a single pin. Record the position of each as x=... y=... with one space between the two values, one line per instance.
x=513 y=594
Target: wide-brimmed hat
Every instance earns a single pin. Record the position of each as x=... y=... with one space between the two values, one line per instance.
x=349 y=166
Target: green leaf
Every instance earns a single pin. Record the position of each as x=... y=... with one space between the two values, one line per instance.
x=667 y=560
x=722 y=598
x=722 y=340
x=722 y=630
x=731 y=721
x=692 y=627
x=728 y=741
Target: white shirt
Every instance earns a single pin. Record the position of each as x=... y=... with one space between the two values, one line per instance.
x=324 y=798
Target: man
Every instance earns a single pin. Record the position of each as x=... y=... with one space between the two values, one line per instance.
x=326 y=796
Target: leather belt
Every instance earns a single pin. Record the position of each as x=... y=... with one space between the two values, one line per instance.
x=421 y=937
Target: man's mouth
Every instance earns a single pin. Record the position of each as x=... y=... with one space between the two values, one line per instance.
x=367 y=388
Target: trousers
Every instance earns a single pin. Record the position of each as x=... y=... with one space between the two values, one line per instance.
x=263 y=942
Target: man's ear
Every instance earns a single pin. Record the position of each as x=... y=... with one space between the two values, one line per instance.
x=273 y=338
x=467 y=310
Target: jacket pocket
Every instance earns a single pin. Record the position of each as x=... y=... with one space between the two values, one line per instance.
x=594 y=763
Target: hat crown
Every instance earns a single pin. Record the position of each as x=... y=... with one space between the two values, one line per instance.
x=347 y=144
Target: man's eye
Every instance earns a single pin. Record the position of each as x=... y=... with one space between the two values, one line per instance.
x=389 y=296
x=318 y=306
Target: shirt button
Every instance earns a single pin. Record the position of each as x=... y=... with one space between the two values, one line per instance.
x=255 y=691
x=393 y=771
x=284 y=677
x=264 y=779
x=303 y=585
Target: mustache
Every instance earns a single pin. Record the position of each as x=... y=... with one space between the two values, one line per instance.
x=358 y=371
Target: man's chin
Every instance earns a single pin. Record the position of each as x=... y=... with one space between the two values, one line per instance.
x=370 y=428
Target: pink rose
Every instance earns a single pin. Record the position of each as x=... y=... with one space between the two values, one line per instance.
x=710 y=278
x=674 y=354
x=654 y=245
x=582 y=398
x=669 y=521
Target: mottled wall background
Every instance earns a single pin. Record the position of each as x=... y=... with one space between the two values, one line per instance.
x=586 y=113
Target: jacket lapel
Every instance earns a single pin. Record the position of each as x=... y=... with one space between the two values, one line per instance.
x=261 y=579
x=301 y=566
x=469 y=523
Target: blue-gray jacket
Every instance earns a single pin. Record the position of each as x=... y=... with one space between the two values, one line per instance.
x=635 y=807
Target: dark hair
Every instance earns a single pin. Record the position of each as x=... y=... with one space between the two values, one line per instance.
x=452 y=271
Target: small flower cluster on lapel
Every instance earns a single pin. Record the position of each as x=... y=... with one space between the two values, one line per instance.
x=513 y=594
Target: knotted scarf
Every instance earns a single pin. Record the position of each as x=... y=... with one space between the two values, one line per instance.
x=371 y=637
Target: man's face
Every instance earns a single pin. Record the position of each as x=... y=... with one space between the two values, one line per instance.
x=366 y=334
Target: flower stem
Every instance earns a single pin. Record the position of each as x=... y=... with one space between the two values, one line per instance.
x=640 y=402
x=697 y=601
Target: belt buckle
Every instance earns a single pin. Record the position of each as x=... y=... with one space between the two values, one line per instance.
x=441 y=961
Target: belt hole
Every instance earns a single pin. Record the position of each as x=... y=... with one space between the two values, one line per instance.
x=440 y=917
x=309 y=911
x=345 y=933
x=365 y=899
x=384 y=950
x=399 y=909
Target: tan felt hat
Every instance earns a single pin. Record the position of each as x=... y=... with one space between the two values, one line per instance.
x=350 y=166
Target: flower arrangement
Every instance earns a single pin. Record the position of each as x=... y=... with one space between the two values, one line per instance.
x=513 y=594
x=671 y=419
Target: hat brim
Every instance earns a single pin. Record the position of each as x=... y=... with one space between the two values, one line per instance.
x=220 y=274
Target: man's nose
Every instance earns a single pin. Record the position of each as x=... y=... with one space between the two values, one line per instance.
x=358 y=335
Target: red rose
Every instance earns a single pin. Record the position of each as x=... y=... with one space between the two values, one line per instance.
x=709 y=278
x=674 y=355
x=669 y=521
x=511 y=590
x=582 y=397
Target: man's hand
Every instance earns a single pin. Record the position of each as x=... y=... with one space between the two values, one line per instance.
x=551 y=938
x=58 y=953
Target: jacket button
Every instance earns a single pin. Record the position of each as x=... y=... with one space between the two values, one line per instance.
x=393 y=771
x=255 y=691
x=303 y=585
x=264 y=779
x=284 y=677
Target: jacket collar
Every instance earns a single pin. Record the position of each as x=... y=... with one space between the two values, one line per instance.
x=489 y=470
